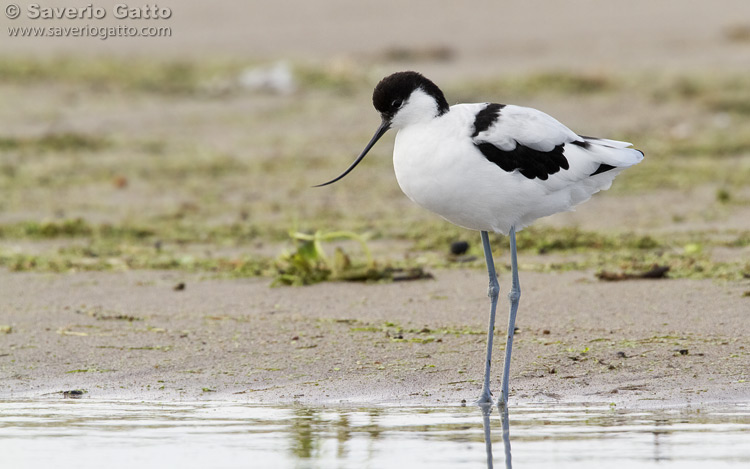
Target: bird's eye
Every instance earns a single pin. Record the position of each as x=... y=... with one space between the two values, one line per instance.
x=396 y=103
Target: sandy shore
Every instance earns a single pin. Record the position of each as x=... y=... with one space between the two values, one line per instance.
x=134 y=336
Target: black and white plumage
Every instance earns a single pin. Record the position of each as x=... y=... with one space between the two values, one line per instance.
x=489 y=167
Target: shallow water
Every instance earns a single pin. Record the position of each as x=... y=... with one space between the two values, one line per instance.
x=87 y=433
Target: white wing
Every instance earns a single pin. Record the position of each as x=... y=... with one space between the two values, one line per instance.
x=545 y=158
x=538 y=146
x=527 y=126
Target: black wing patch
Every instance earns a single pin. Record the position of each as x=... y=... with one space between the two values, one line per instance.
x=529 y=162
x=486 y=117
x=603 y=168
x=582 y=143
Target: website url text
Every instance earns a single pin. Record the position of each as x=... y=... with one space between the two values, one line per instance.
x=100 y=32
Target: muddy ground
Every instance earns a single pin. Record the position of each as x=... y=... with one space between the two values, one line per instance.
x=134 y=335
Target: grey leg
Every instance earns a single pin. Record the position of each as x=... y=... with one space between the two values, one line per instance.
x=493 y=293
x=514 y=296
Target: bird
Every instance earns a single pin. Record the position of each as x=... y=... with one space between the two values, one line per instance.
x=492 y=168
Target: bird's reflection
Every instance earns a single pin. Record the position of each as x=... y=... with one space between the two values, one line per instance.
x=486 y=412
x=506 y=433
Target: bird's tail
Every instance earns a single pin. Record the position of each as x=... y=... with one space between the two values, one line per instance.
x=614 y=152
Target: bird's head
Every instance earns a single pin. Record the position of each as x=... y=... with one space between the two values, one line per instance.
x=402 y=99
x=406 y=98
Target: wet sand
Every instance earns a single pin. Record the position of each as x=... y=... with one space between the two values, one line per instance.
x=133 y=335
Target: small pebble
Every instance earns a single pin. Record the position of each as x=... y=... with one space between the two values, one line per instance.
x=459 y=248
